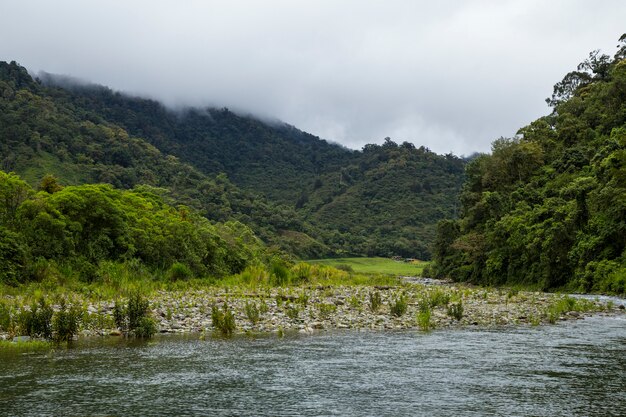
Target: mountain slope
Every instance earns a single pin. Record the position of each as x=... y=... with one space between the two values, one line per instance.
x=41 y=134
x=296 y=191
x=274 y=160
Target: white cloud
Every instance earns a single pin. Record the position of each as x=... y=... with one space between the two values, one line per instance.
x=451 y=75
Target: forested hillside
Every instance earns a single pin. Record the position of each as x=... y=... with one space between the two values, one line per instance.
x=274 y=160
x=83 y=231
x=388 y=201
x=548 y=207
x=297 y=192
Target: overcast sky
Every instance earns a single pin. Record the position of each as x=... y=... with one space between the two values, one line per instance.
x=450 y=75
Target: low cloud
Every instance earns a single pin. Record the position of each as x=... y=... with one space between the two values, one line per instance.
x=448 y=75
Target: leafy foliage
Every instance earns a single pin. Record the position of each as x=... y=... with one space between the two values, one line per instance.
x=549 y=206
x=134 y=317
x=82 y=226
x=223 y=320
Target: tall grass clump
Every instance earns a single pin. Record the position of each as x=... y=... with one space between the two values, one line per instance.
x=375 y=301
x=455 y=310
x=424 y=317
x=399 y=306
x=6 y=320
x=66 y=322
x=134 y=317
x=302 y=273
x=293 y=312
x=438 y=297
x=566 y=304
x=37 y=321
x=252 y=312
x=223 y=320
x=279 y=274
x=325 y=310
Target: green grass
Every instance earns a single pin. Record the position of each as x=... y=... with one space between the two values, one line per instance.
x=374 y=266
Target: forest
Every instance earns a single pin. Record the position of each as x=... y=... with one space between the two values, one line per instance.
x=547 y=208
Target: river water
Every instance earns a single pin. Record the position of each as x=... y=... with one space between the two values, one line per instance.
x=570 y=369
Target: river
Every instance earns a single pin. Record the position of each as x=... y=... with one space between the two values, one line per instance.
x=575 y=368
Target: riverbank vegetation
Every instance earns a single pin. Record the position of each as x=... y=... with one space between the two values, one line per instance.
x=243 y=307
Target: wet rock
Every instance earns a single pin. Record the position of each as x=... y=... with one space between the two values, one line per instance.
x=115 y=333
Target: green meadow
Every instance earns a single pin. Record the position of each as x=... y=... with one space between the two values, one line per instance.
x=374 y=265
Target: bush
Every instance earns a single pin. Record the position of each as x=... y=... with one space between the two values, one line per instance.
x=399 y=306
x=456 y=310
x=424 y=316
x=5 y=316
x=223 y=320
x=345 y=267
x=438 y=297
x=252 y=312
x=134 y=318
x=36 y=322
x=179 y=271
x=301 y=273
x=375 y=301
x=292 y=312
x=146 y=327
x=65 y=322
x=325 y=310
x=279 y=274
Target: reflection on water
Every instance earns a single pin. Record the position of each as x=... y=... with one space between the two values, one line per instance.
x=575 y=368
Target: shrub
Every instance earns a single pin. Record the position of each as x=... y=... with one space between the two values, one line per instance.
x=354 y=301
x=438 y=297
x=37 y=321
x=119 y=315
x=325 y=310
x=456 y=310
x=279 y=274
x=134 y=318
x=399 y=306
x=292 y=312
x=302 y=273
x=179 y=271
x=252 y=312
x=303 y=298
x=65 y=322
x=223 y=320
x=375 y=301
x=146 y=327
x=137 y=309
x=424 y=316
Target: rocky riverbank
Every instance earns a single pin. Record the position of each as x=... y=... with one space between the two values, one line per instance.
x=309 y=309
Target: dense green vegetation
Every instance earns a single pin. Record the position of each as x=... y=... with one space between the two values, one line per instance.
x=387 y=202
x=295 y=191
x=78 y=230
x=549 y=206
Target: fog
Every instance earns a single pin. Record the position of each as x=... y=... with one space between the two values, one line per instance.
x=449 y=75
